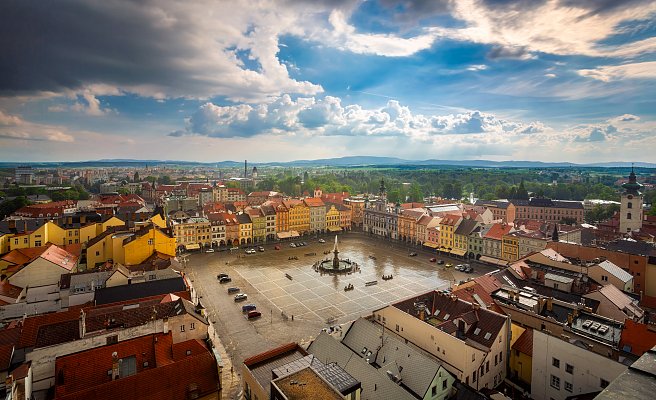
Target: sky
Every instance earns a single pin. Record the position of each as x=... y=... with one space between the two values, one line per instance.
x=208 y=80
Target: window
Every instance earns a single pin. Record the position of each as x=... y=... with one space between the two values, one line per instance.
x=495 y=359
x=434 y=391
x=37 y=243
x=150 y=242
x=628 y=215
x=555 y=362
x=501 y=356
x=487 y=366
x=568 y=386
x=603 y=383
x=569 y=369
x=555 y=382
x=192 y=326
x=474 y=377
x=444 y=383
x=112 y=339
x=629 y=205
x=26 y=241
x=127 y=366
x=397 y=327
x=474 y=357
x=182 y=328
x=97 y=253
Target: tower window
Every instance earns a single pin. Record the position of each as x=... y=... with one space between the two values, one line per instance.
x=628 y=215
x=629 y=205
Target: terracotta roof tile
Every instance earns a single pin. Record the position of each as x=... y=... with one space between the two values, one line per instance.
x=524 y=344
x=497 y=231
x=637 y=338
x=9 y=290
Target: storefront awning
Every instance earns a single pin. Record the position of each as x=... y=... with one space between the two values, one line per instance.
x=284 y=235
x=492 y=260
x=334 y=228
x=193 y=246
x=294 y=233
x=431 y=245
x=458 y=252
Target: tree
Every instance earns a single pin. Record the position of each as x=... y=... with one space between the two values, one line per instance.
x=522 y=193
x=164 y=180
x=8 y=207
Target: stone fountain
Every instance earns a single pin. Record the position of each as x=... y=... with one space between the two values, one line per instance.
x=335 y=265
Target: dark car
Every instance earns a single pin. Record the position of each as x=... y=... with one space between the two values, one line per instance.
x=232 y=290
x=260 y=248
x=254 y=314
x=440 y=262
x=225 y=279
x=468 y=269
x=412 y=254
x=433 y=259
x=248 y=308
x=219 y=276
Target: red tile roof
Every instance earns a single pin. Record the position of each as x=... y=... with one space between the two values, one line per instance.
x=497 y=231
x=467 y=294
x=8 y=340
x=269 y=354
x=9 y=290
x=525 y=343
x=172 y=372
x=639 y=337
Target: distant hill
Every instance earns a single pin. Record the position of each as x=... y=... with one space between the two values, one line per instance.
x=350 y=161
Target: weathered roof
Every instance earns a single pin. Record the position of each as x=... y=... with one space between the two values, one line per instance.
x=616 y=271
x=497 y=231
x=524 y=344
x=262 y=365
x=466 y=227
x=139 y=290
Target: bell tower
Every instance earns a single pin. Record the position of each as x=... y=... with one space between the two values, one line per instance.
x=631 y=205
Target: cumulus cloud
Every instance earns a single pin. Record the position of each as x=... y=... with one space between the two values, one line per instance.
x=327 y=116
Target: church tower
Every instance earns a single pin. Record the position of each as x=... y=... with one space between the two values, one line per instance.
x=631 y=205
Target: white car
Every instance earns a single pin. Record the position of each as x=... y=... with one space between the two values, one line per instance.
x=250 y=251
x=209 y=251
x=322 y=241
x=241 y=297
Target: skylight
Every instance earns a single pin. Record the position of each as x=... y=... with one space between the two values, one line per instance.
x=488 y=336
x=477 y=331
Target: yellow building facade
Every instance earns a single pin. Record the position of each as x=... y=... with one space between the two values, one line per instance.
x=129 y=248
x=299 y=216
x=332 y=218
x=510 y=247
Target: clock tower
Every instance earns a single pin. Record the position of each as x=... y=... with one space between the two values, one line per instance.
x=631 y=205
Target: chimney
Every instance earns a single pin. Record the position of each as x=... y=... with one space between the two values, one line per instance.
x=165 y=330
x=422 y=315
x=115 y=370
x=82 y=324
x=245 y=169
x=570 y=318
x=549 y=304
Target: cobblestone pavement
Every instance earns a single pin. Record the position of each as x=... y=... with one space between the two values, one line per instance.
x=295 y=310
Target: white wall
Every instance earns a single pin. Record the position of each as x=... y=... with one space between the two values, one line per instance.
x=39 y=273
x=589 y=368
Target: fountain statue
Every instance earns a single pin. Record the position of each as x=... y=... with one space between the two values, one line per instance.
x=335 y=265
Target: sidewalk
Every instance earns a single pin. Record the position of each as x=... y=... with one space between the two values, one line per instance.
x=230 y=374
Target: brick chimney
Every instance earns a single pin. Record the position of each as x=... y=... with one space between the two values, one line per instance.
x=82 y=324
x=115 y=369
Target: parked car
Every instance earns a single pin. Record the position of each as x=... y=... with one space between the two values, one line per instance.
x=322 y=241
x=225 y=279
x=260 y=249
x=209 y=251
x=250 y=251
x=232 y=290
x=234 y=248
x=468 y=269
x=433 y=259
x=440 y=262
x=460 y=267
x=413 y=254
x=277 y=248
x=241 y=297
x=304 y=243
x=449 y=265
x=248 y=307
x=254 y=314
x=219 y=276
x=292 y=244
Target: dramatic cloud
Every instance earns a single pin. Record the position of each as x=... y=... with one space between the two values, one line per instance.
x=157 y=49
x=15 y=128
x=328 y=117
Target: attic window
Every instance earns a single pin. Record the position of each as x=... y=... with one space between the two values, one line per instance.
x=477 y=331
x=488 y=336
x=364 y=350
x=188 y=352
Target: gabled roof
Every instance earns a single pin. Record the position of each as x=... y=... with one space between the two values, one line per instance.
x=466 y=227
x=616 y=271
x=8 y=340
x=9 y=290
x=497 y=231
x=524 y=344
x=313 y=202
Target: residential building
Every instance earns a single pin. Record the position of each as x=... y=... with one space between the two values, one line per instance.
x=615 y=304
x=332 y=218
x=220 y=193
x=561 y=369
x=606 y=272
x=637 y=382
x=502 y=210
x=345 y=215
x=448 y=226
x=24 y=175
x=37 y=266
x=535 y=208
x=299 y=216
x=475 y=245
x=258 y=219
x=205 y=195
x=257 y=370
x=218 y=228
x=471 y=342
x=493 y=240
x=510 y=247
x=357 y=206
x=282 y=217
x=423 y=225
x=194 y=233
x=521 y=355
x=379 y=219
x=245 y=228
x=129 y=248
x=407 y=224
x=461 y=237
x=270 y=217
x=234 y=194
x=317 y=213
